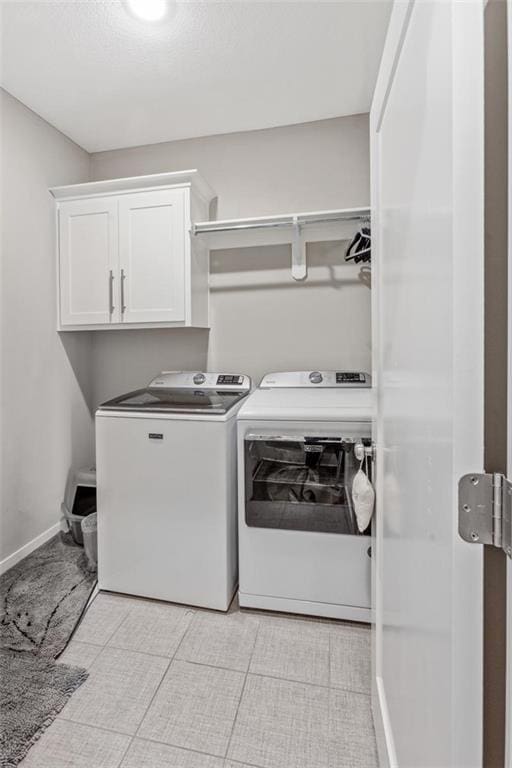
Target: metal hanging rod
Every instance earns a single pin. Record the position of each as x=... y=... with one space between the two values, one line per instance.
x=300 y=225
x=282 y=221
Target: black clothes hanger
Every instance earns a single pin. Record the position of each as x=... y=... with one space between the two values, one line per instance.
x=360 y=248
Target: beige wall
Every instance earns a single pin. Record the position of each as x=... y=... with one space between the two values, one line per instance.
x=261 y=319
x=46 y=425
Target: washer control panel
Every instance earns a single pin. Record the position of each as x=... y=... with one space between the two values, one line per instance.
x=200 y=380
x=319 y=379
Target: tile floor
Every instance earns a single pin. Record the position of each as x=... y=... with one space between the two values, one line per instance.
x=174 y=687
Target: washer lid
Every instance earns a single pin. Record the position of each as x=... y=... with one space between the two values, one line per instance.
x=160 y=400
x=185 y=392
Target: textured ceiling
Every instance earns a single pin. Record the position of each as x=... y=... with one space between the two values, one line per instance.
x=108 y=80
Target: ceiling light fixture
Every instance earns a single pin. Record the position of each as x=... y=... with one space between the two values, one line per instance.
x=148 y=10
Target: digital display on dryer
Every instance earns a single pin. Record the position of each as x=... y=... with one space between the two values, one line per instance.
x=344 y=377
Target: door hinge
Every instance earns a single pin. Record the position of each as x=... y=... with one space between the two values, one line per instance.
x=485 y=508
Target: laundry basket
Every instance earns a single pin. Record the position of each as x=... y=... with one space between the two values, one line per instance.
x=79 y=501
x=90 y=536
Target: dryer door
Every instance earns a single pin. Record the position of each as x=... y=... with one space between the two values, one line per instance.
x=299 y=546
x=300 y=483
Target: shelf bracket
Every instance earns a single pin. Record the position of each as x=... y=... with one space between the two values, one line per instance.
x=299 y=267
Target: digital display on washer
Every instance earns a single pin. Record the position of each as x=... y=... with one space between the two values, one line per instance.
x=342 y=377
x=229 y=378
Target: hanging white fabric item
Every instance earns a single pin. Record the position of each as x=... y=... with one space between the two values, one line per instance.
x=363 y=496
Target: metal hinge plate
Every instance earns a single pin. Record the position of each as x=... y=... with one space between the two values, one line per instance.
x=485 y=510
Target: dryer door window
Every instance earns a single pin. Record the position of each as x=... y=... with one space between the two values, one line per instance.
x=299 y=484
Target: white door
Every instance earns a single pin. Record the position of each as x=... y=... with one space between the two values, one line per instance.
x=427 y=123
x=152 y=247
x=88 y=255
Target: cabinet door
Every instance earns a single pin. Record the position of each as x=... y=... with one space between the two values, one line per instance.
x=152 y=250
x=88 y=255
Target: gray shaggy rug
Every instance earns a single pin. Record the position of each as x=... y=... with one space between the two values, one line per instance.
x=32 y=693
x=42 y=599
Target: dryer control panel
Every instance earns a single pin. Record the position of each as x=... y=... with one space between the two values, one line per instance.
x=316 y=379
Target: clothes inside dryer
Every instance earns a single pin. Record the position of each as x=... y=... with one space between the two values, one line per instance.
x=301 y=484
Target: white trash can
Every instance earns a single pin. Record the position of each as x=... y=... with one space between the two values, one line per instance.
x=90 y=537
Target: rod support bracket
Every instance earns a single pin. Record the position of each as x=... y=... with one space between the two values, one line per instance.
x=299 y=266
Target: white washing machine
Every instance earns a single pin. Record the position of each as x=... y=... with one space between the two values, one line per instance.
x=166 y=489
x=299 y=547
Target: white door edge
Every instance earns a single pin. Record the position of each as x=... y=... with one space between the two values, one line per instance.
x=383 y=731
x=394 y=38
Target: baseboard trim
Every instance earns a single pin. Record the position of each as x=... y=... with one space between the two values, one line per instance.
x=305 y=607
x=383 y=732
x=26 y=549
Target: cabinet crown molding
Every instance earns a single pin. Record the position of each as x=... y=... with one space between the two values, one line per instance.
x=131 y=184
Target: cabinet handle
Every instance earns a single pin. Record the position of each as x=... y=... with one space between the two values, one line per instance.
x=123 y=278
x=111 y=291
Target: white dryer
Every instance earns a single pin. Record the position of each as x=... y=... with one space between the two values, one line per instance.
x=299 y=547
x=166 y=489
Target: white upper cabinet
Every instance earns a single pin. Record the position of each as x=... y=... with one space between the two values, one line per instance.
x=88 y=260
x=125 y=256
x=152 y=256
